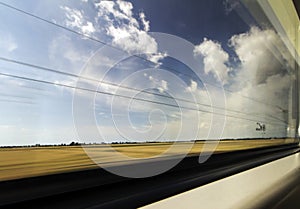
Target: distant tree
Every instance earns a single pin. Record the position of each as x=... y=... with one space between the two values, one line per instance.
x=74 y=144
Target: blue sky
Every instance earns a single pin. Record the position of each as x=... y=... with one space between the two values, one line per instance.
x=227 y=51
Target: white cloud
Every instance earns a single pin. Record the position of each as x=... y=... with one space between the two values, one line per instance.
x=258 y=75
x=132 y=40
x=214 y=58
x=125 y=31
x=88 y=28
x=145 y=22
x=119 y=9
x=76 y=19
x=164 y=84
x=126 y=7
x=257 y=51
x=193 y=87
x=155 y=58
x=261 y=75
x=163 y=87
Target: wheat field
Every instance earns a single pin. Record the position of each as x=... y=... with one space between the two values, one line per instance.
x=21 y=162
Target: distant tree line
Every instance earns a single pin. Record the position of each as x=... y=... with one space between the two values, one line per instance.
x=73 y=143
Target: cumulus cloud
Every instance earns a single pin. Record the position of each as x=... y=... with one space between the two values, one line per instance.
x=115 y=24
x=193 y=87
x=76 y=19
x=258 y=73
x=260 y=86
x=214 y=59
x=126 y=7
x=132 y=39
x=262 y=75
x=145 y=22
x=116 y=11
x=125 y=30
x=257 y=51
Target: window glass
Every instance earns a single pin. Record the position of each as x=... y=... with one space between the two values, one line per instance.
x=88 y=83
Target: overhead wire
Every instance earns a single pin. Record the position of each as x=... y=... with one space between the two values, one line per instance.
x=124 y=87
x=108 y=83
x=131 y=98
x=119 y=49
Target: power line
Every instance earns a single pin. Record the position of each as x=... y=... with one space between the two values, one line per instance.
x=16 y=101
x=124 y=87
x=128 y=97
x=119 y=49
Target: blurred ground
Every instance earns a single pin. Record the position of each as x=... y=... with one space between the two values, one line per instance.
x=21 y=162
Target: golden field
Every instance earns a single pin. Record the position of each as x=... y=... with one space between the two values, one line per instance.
x=23 y=162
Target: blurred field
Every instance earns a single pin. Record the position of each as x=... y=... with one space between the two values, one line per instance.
x=34 y=161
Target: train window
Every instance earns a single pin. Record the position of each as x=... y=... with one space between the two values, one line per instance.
x=110 y=83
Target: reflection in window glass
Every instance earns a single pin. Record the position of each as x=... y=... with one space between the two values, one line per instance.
x=142 y=78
